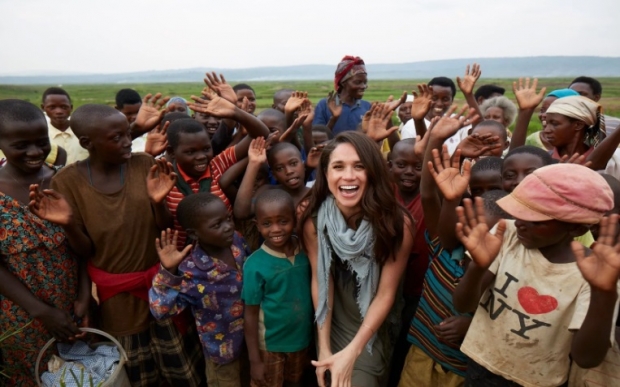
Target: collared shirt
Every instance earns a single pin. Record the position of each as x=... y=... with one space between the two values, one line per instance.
x=349 y=119
x=218 y=165
x=212 y=290
x=68 y=141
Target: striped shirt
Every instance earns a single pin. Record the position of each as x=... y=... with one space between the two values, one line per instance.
x=218 y=165
x=436 y=305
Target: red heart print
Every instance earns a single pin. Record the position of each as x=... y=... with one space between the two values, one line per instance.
x=534 y=303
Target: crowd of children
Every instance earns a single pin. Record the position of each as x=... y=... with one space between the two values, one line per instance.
x=317 y=246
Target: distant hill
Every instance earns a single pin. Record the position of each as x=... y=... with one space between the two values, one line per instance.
x=551 y=66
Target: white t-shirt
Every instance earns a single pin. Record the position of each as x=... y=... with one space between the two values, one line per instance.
x=522 y=327
x=408 y=131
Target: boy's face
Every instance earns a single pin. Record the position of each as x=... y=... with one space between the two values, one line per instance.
x=585 y=90
x=494 y=131
x=211 y=123
x=111 y=143
x=288 y=168
x=58 y=108
x=442 y=100
x=214 y=225
x=249 y=94
x=406 y=168
x=536 y=235
x=280 y=99
x=130 y=111
x=193 y=153
x=516 y=167
x=404 y=112
x=483 y=181
x=319 y=138
x=26 y=145
x=275 y=222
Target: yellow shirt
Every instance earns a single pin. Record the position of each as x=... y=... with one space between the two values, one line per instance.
x=69 y=141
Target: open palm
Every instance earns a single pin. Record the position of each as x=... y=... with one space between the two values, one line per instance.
x=50 y=205
x=447 y=174
x=160 y=181
x=467 y=83
x=422 y=101
x=220 y=86
x=169 y=256
x=213 y=105
x=151 y=112
x=526 y=95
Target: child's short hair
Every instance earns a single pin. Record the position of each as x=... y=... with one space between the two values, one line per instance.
x=275 y=195
x=88 y=117
x=242 y=86
x=405 y=141
x=188 y=208
x=544 y=156
x=491 y=208
x=127 y=97
x=486 y=91
x=272 y=113
x=271 y=154
x=490 y=163
x=507 y=106
x=444 y=82
x=183 y=125
x=55 y=91
x=500 y=127
x=16 y=110
x=594 y=84
x=323 y=129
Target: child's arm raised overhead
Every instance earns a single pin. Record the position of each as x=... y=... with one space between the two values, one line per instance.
x=527 y=99
x=601 y=269
x=293 y=104
x=467 y=88
x=166 y=297
x=257 y=156
x=308 y=111
x=220 y=107
x=420 y=106
x=149 y=116
x=230 y=176
x=160 y=180
x=52 y=206
x=474 y=234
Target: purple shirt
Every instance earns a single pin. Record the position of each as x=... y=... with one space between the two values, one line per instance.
x=213 y=291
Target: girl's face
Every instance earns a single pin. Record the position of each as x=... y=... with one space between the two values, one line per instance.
x=516 y=167
x=26 y=145
x=346 y=177
x=560 y=130
x=495 y=113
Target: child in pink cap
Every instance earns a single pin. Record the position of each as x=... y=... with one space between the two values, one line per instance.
x=539 y=298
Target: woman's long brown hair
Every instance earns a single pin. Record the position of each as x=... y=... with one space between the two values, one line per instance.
x=378 y=203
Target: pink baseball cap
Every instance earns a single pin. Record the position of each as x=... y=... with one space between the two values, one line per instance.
x=569 y=193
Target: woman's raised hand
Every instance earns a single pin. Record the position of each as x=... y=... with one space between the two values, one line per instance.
x=526 y=95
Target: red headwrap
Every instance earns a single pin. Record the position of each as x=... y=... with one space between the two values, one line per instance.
x=348 y=67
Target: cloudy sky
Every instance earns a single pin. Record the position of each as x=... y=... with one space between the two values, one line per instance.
x=108 y=36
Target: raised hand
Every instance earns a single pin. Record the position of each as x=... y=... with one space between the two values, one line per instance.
x=156 y=140
x=151 y=112
x=473 y=232
x=257 y=153
x=314 y=156
x=307 y=110
x=469 y=80
x=169 y=256
x=213 y=105
x=393 y=104
x=602 y=267
x=368 y=116
x=220 y=87
x=333 y=104
x=447 y=173
x=449 y=124
x=422 y=101
x=379 y=120
x=475 y=145
x=292 y=130
x=576 y=158
x=296 y=101
x=527 y=98
x=160 y=181
x=50 y=205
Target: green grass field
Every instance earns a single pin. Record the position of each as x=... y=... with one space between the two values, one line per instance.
x=377 y=91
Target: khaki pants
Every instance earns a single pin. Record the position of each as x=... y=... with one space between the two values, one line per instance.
x=223 y=375
x=421 y=370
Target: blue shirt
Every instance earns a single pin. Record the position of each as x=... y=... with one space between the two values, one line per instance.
x=349 y=119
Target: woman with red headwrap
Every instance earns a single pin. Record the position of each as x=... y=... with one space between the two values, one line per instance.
x=344 y=109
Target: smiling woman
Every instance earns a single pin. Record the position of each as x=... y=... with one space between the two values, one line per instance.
x=358 y=239
x=343 y=110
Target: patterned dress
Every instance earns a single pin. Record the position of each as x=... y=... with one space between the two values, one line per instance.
x=35 y=252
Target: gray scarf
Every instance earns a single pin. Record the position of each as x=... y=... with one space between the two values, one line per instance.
x=355 y=247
